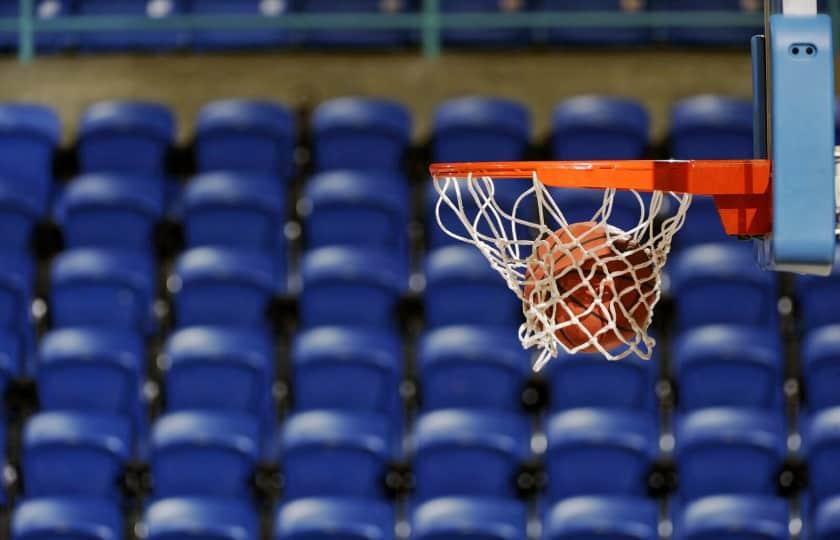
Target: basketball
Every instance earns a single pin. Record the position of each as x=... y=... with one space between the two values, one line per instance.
x=603 y=280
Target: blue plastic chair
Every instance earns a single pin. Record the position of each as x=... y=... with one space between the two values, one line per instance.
x=735 y=36
x=204 y=453
x=325 y=358
x=12 y=360
x=821 y=367
x=356 y=38
x=111 y=211
x=104 y=288
x=338 y=280
x=709 y=280
x=364 y=209
x=237 y=210
x=334 y=518
x=472 y=367
x=728 y=451
x=818 y=297
x=335 y=453
x=201 y=517
x=502 y=37
x=467 y=452
x=599 y=127
x=826 y=524
x=246 y=135
x=602 y=518
x=158 y=41
x=480 y=129
x=595 y=36
x=361 y=133
x=729 y=517
x=127 y=137
x=240 y=38
x=462 y=288
x=590 y=380
x=44 y=10
x=469 y=518
x=599 y=452
x=822 y=448
x=60 y=448
x=728 y=366
x=17 y=277
x=579 y=205
x=67 y=518
x=226 y=287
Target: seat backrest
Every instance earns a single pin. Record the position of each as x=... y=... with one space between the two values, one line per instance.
x=17 y=276
x=205 y=517
x=68 y=518
x=711 y=127
x=470 y=518
x=480 y=129
x=821 y=366
x=631 y=518
x=826 y=523
x=817 y=297
x=822 y=448
x=599 y=127
x=323 y=518
x=734 y=517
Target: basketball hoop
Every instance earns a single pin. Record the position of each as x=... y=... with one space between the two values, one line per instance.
x=590 y=286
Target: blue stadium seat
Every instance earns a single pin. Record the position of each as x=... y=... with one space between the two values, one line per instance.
x=204 y=453
x=462 y=288
x=45 y=11
x=67 y=518
x=818 y=297
x=463 y=452
x=728 y=451
x=325 y=358
x=220 y=286
x=734 y=36
x=337 y=280
x=469 y=518
x=821 y=367
x=590 y=380
x=105 y=288
x=580 y=205
x=240 y=38
x=334 y=518
x=728 y=517
x=602 y=518
x=335 y=453
x=356 y=38
x=596 y=36
x=127 y=137
x=244 y=135
x=218 y=368
x=361 y=133
x=599 y=452
x=707 y=280
x=502 y=37
x=60 y=448
x=3 y=494
x=158 y=40
x=364 y=209
x=826 y=524
x=822 y=448
x=17 y=277
x=728 y=366
x=472 y=367
x=201 y=517
x=599 y=127
x=240 y=210
x=110 y=211
x=480 y=129
x=11 y=362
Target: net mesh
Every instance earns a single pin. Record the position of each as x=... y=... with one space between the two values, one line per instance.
x=589 y=287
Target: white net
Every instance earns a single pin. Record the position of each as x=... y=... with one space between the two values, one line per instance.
x=586 y=284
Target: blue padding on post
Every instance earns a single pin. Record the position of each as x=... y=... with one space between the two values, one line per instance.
x=470 y=518
x=334 y=517
x=630 y=518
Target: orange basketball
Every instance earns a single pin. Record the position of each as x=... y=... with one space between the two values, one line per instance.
x=612 y=278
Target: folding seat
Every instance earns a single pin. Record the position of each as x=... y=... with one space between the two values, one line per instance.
x=709 y=280
x=462 y=288
x=599 y=127
x=361 y=133
x=602 y=518
x=335 y=453
x=222 y=286
x=590 y=380
x=155 y=40
x=356 y=38
x=325 y=358
x=502 y=37
x=104 y=288
x=599 y=452
x=472 y=367
x=334 y=518
x=817 y=298
x=204 y=453
x=736 y=36
x=338 y=280
x=246 y=135
x=480 y=129
x=237 y=210
x=728 y=366
x=821 y=367
x=470 y=518
x=67 y=518
x=201 y=517
x=733 y=517
x=822 y=448
x=826 y=524
x=239 y=39
x=728 y=451
x=365 y=209
x=596 y=36
x=466 y=452
x=110 y=211
x=62 y=448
